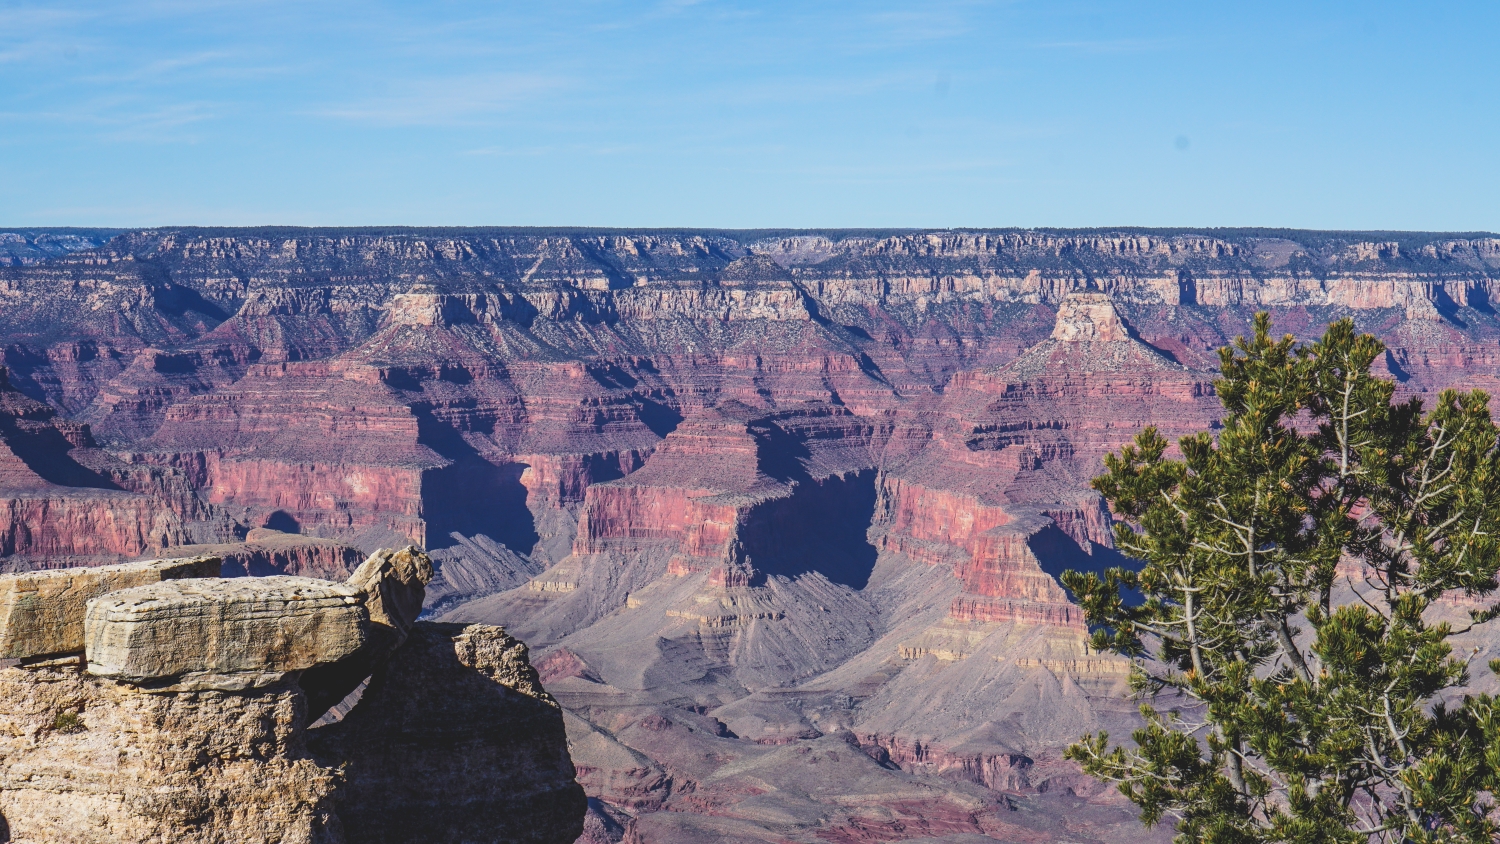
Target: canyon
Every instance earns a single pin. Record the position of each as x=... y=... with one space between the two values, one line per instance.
x=780 y=514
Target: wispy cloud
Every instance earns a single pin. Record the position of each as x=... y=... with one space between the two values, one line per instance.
x=513 y=152
x=932 y=24
x=23 y=21
x=473 y=99
x=555 y=150
x=126 y=119
x=161 y=68
x=1108 y=45
x=25 y=52
x=787 y=90
x=28 y=33
x=162 y=124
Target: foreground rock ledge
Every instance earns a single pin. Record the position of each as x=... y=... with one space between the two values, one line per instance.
x=41 y=612
x=453 y=742
x=89 y=761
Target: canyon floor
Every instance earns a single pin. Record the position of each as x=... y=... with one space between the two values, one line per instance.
x=779 y=513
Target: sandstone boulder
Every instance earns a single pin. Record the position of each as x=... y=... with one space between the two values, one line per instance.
x=42 y=612
x=394 y=584
x=222 y=634
x=454 y=740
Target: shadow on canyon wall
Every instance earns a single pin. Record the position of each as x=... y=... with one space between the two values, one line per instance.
x=45 y=450
x=471 y=495
x=474 y=496
x=1058 y=552
x=283 y=521
x=821 y=528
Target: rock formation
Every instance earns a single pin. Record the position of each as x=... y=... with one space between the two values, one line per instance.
x=154 y=702
x=42 y=614
x=393 y=584
x=781 y=513
x=63 y=499
x=266 y=552
x=447 y=744
x=93 y=762
x=229 y=635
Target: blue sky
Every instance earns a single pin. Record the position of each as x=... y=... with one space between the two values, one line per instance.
x=1365 y=115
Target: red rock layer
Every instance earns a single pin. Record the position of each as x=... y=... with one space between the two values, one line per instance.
x=1006 y=468
x=268 y=552
x=998 y=771
x=68 y=527
x=563 y=480
x=989 y=550
x=330 y=448
x=724 y=491
x=62 y=501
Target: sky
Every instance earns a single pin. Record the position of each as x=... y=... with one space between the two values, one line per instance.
x=945 y=113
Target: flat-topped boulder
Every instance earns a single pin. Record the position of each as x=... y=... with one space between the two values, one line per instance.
x=228 y=635
x=42 y=612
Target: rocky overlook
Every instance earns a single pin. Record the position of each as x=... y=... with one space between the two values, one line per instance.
x=779 y=513
x=156 y=702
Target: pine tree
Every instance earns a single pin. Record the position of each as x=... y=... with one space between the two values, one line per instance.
x=1292 y=681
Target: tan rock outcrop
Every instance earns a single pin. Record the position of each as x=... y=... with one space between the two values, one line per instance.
x=1089 y=317
x=88 y=761
x=42 y=612
x=222 y=634
x=453 y=702
x=188 y=725
x=394 y=583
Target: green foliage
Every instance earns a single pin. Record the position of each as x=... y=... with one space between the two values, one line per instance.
x=67 y=721
x=1288 y=669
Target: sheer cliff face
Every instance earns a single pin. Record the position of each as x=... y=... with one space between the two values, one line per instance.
x=64 y=500
x=757 y=499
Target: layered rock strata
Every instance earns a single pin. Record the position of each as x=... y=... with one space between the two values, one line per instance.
x=758 y=499
x=227 y=635
x=1010 y=453
x=721 y=489
x=64 y=499
x=266 y=552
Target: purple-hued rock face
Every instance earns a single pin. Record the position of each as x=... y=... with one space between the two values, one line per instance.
x=781 y=514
